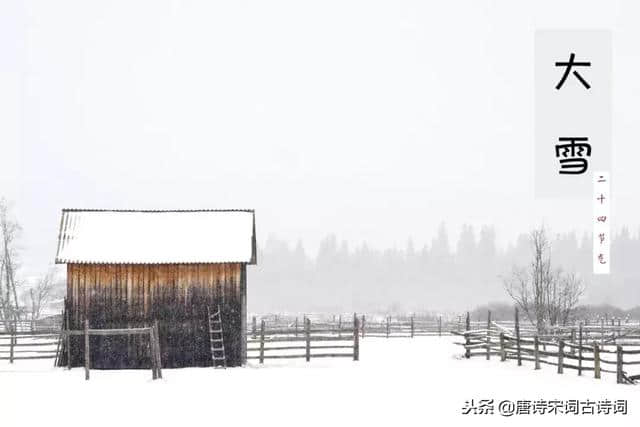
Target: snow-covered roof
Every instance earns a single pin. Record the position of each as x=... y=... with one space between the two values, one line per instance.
x=156 y=237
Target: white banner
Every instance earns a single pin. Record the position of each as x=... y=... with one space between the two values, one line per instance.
x=572 y=110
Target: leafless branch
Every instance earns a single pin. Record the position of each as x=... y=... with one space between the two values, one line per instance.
x=546 y=295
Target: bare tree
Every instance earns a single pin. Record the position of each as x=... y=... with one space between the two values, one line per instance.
x=546 y=295
x=9 y=231
x=40 y=295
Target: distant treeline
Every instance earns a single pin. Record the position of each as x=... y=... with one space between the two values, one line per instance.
x=434 y=277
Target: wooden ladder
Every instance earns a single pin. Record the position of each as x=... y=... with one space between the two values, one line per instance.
x=218 y=355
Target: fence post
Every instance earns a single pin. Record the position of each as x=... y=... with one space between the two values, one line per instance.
x=261 y=359
x=356 y=339
x=296 y=326
x=11 y=337
x=307 y=333
x=518 y=338
x=572 y=340
x=596 y=360
x=489 y=335
x=439 y=326
x=467 y=340
x=87 y=354
x=362 y=326
x=158 y=353
x=619 y=364
x=619 y=330
x=254 y=327
x=560 y=356
x=580 y=349
x=412 y=327
x=388 y=325
x=602 y=331
x=503 y=353
x=536 y=352
x=152 y=354
x=340 y=325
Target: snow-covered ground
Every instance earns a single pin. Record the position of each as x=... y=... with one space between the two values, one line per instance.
x=398 y=382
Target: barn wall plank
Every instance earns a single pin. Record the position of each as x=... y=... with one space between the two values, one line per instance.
x=121 y=296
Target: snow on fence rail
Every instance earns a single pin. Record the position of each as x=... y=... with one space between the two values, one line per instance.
x=564 y=348
x=310 y=342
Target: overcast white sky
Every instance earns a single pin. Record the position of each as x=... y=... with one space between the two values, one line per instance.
x=375 y=120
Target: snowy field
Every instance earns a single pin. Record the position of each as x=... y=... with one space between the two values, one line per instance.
x=397 y=382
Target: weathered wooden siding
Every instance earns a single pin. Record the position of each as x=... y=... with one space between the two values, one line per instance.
x=176 y=295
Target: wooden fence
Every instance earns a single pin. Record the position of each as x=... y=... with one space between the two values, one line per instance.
x=42 y=341
x=582 y=349
x=28 y=346
x=369 y=326
x=30 y=340
x=601 y=331
x=51 y=323
x=307 y=342
x=404 y=328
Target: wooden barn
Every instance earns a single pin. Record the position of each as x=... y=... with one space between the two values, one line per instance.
x=129 y=269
